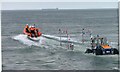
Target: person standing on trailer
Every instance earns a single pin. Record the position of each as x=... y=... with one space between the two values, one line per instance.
x=71 y=46
x=60 y=37
x=83 y=34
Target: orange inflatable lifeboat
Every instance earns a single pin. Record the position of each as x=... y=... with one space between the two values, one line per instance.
x=32 y=31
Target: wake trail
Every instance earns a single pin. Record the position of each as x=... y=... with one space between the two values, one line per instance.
x=45 y=39
x=62 y=39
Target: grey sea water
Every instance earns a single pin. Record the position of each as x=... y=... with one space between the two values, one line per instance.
x=20 y=53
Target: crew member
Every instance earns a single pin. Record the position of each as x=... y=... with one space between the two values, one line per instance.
x=32 y=29
x=27 y=28
x=34 y=25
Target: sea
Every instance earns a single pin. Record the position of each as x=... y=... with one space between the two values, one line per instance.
x=59 y=28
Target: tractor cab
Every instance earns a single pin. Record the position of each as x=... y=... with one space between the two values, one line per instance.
x=99 y=42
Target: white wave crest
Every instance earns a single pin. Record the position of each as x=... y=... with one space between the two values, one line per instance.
x=23 y=39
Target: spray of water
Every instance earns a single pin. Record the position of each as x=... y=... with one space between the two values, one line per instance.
x=23 y=39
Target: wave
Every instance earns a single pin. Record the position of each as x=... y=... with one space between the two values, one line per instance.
x=51 y=41
x=46 y=39
x=23 y=39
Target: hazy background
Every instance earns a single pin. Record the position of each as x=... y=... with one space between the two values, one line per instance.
x=60 y=5
x=60 y=1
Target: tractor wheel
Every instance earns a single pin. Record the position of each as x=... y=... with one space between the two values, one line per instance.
x=89 y=51
x=99 y=51
x=115 y=51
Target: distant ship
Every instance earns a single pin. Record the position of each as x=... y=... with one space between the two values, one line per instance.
x=51 y=9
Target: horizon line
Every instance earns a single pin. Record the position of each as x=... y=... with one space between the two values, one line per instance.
x=60 y=9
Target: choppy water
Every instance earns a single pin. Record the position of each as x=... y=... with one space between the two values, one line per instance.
x=20 y=53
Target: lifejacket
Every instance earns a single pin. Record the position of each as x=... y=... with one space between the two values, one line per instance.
x=27 y=28
x=32 y=28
